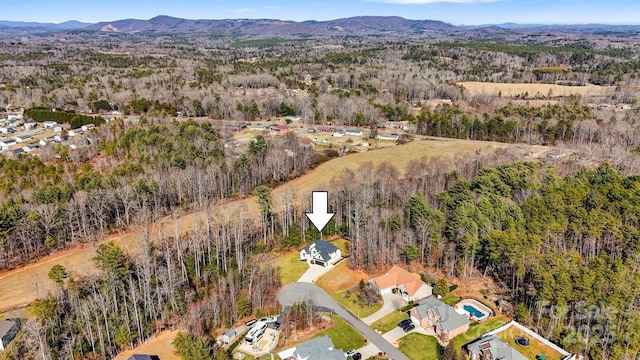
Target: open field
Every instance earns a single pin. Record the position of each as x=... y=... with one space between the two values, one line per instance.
x=291 y=268
x=418 y=346
x=24 y=285
x=341 y=278
x=534 y=90
x=160 y=345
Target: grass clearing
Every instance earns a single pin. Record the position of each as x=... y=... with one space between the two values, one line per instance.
x=535 y=347
x=450 y=299
x=341 y=278
x=478 y=329
x=474 y=88
x=291 y=268
x=418 y=346
x=390 y=321
x=355 y=305
x=338 y=281
x=343 y=335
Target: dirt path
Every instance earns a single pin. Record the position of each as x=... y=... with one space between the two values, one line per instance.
x=22 y=286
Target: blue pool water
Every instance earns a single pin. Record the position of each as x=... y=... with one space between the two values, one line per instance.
x=473 y=311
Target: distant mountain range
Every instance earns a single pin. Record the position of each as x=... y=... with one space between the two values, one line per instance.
x=516 y=26
x=67 y=25
x=359 y=25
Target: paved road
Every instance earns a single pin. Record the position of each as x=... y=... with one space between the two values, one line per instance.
x=298 y=292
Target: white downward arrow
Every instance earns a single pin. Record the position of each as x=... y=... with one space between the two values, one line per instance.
x=319 y=215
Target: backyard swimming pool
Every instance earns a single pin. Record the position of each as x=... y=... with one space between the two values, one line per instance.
x=473 y=311
x=475 y=308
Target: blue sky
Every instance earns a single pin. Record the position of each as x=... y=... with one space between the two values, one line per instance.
x=451 y=11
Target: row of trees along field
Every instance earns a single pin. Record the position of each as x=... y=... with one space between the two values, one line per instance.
x=549 y=240
x=143 y=174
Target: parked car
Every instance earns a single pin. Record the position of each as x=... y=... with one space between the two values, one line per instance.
x=409 y=328
x=404 y=323
x=354 y=354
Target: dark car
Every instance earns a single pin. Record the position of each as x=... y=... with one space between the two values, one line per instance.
x=356 y=356
x=404 y=323
x=408 y=327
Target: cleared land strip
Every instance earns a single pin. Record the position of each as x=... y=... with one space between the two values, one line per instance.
x=22 y=286
x=534 y=90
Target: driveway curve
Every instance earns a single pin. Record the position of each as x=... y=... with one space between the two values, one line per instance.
x=297 y=292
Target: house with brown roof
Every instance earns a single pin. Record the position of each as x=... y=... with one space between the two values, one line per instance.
x=406 y=284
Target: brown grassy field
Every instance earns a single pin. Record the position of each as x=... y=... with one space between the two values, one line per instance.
x=160 y=345
x=24 y=285
x=341 y=278
x=478 y=88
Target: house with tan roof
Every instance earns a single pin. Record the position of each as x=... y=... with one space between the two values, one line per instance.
x=406 y=284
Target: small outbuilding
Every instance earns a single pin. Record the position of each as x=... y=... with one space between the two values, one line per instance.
x=228 y=337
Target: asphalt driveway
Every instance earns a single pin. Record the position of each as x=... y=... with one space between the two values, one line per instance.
x=297 y=292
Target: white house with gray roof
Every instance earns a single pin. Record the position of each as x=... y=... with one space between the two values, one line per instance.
x=321 y=253
x=445 y=321
x=320 y=348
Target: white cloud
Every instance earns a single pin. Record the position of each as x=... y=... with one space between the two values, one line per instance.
x=410 y=2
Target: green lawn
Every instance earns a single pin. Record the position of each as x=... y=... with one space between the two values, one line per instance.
x=390 y=321
x=450 y=299
x=355 y=305
x=291 y=268
x=418 y=347
x=343 y=335
x=476 y=330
